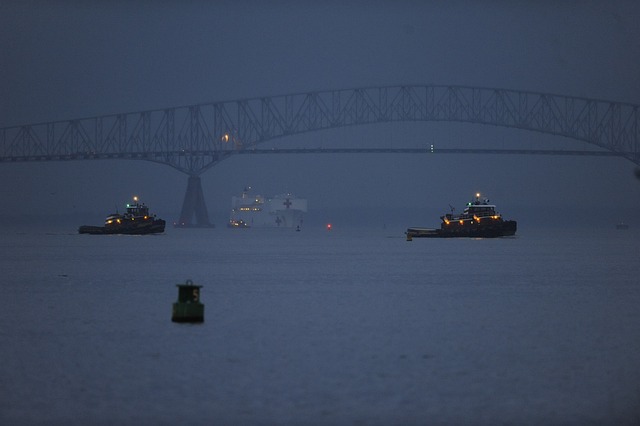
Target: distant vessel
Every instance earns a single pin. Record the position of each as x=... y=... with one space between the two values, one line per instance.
x=136 y=220
x=478 y=220
x=256 y=211
x=622 y=226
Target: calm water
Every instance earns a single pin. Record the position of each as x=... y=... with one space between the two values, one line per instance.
x=320 y=328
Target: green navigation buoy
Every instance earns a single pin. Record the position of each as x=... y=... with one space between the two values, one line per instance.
x=188 y=307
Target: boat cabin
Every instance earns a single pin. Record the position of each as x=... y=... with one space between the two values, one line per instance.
x=480 y=210
x=475 y=209
x=137 y=210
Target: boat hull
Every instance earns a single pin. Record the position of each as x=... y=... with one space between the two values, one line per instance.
x=130 y=228
x=492 y=230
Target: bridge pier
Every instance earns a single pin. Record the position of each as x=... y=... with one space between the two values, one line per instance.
x=194 y=205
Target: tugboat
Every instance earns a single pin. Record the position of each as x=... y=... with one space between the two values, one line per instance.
x=135 y=221
x=478 y=220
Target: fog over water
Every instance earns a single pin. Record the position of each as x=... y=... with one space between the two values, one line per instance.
x=376 y=329
x=69 y=59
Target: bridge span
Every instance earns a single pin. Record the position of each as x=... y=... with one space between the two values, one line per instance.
x=194 y=138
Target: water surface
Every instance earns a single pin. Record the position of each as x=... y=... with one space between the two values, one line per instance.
x=321 y=327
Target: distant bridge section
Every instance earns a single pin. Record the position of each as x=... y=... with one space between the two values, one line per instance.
x=194 y=138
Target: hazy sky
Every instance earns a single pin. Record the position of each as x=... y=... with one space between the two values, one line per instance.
x=69 y=59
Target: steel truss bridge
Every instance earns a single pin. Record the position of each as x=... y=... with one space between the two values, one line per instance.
x=194 y=138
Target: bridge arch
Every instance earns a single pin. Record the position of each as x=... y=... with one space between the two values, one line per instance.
x=194 y=138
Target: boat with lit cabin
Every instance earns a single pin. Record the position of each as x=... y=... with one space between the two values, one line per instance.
x=136 y=221
x=478 y=220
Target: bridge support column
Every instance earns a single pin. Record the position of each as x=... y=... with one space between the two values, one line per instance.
x=194 y=205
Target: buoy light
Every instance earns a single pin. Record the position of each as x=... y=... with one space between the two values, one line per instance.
x=328 y=227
